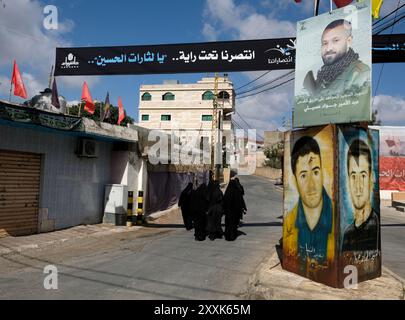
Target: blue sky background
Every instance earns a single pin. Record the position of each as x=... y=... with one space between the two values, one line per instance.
x=100 y=23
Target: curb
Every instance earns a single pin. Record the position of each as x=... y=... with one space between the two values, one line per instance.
x=394 y=275
x=159 y=214
x=258 y=290
x=42 y=245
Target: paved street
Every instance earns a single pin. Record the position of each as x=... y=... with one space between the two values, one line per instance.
x=393 y=240
x=163 y=261
x=159 y=262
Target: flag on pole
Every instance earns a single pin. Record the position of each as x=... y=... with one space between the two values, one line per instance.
x=86 y=97
x=107 y=111
x=121 y=112
x=17 y=81
x=376 y=5
x=55 y=97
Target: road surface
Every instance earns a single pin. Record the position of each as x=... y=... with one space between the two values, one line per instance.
x=159 y=262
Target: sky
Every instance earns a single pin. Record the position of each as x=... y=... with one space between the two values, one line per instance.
x=124 y=22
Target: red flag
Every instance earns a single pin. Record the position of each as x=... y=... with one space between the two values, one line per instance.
x=86 y=97
x=16 y=80
x=121 y=112
x=342 y=3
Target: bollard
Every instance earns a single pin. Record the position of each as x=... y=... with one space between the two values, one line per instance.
x=140 y=208
x=129 y=208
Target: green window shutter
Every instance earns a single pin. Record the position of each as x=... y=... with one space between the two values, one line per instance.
x=165 y=117
x=206 y=117
x=168 y=96
x=145 y=117
x=146 y=97
x=208 y=95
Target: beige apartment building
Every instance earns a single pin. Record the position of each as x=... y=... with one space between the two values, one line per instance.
x=186 y=108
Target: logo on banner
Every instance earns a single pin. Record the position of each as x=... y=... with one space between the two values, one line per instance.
x=70 y=62
x=285 y=52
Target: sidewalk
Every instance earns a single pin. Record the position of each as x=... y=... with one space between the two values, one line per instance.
x=271 y=282
x=42 y=240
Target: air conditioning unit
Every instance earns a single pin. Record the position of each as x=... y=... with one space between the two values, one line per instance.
x=87 y=148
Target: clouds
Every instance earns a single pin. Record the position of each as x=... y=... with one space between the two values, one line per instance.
x=391 y=110
x=242 y=22
x=24 y=38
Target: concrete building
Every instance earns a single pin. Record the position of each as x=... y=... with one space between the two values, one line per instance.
x=272 y=137
x=54 y=169
x=186 y=107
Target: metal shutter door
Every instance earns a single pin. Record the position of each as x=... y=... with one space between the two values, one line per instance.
x=20 y=175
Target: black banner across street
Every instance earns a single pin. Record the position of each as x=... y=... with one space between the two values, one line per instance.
x=178 y=58
x=226 y=56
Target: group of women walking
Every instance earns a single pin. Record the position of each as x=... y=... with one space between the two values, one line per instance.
x=203 y=206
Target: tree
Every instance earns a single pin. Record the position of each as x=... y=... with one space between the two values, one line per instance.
x=274 y=155
x=113 y=119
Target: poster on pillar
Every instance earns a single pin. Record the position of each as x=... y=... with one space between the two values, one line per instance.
x=359 y=202
x=309 y=197
x=333 y=67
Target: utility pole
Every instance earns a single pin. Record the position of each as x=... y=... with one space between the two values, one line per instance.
x=316 y=7
x=50 y=78
x=214 y=128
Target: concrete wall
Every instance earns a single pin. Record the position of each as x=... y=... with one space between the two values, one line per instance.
x=268 y=172
x=72 y=188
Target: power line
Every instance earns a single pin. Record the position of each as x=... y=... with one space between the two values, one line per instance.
x=259 y=77
x=389 y=24
x=391 y=13
x=265 y=84
x=382 y=68
x=249 y=126
x=268 y=89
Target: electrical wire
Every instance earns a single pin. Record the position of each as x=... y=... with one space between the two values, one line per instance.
x=390 y=24
x=268 y=89
x=382 y=68
x=266 y=84
x=254 y=80
x=391 y=13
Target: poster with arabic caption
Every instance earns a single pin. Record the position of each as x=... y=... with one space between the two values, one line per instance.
x=333 y=67
x=359 y=201
x=226 y=56
x=392 y=158
x=309 y=212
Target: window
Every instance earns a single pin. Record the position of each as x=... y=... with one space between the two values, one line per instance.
x=208 y=95
x=165 y=117
x=223 y=95
x=168 y=96
x=145 y=117
x=146 y=97
x=206 y=117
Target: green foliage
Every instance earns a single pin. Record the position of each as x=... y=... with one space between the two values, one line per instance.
x=274 y=156
x=113 y=119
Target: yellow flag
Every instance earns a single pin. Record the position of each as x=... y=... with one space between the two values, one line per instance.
x=376 y=8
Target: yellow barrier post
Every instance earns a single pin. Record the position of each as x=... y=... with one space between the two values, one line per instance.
x=140 y=208
x=129 y=208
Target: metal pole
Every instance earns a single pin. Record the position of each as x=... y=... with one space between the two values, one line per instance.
x=11 y=89
x=214 y=127
x=50 y=77
x=80 y=108
x=316 y=7
x=219 y=147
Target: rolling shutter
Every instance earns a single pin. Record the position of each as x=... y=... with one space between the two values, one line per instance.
x=19 y=193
